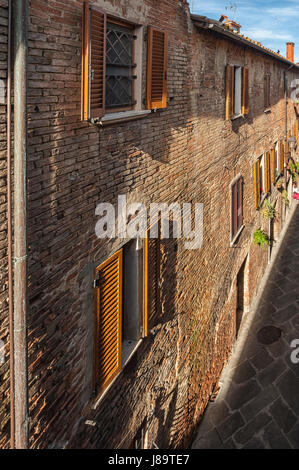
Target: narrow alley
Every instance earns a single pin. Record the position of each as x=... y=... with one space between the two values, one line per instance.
x=257 y=406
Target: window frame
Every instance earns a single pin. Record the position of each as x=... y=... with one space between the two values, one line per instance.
x=236 y=187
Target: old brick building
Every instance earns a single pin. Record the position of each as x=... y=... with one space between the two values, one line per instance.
x=165 y=107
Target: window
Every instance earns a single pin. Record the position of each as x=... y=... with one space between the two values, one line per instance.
x=236 y=207
x=126 y=302
x=267 y=92
x=237 y=91
x=112 y=66
x=275 y=162
x=262 y=178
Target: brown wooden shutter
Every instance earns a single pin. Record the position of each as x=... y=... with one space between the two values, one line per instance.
x=230 y=91
x=93 y=62
x=234 y=197
x=267 y=168
x=240 y=203
x=108 y=320
x=281 y=157
x=267 y=103
x=157 y=56
x=245 y=91
x=297 y=129
x=151 y=270
x=257 y=192
x=274 y=165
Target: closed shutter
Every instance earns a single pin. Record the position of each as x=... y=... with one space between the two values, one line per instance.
x=245 y=91
x=281 y=157
x=108 y=318
x=274 y=164
x=267 y=91
x=234 y=197
x=240 y=203
x=257 y=192
x=297 y=129
x=157 y=68
x=230 y=90
x=151 y=275
x=93 y=63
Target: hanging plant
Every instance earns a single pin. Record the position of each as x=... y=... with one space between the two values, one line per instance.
x=279 y=184
x=260 y=238
x=268 y=210
x=285 y=198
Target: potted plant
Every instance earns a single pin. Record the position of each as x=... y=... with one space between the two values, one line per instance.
x=279 y=184
x=268 y=210
x=260 y=238
x=285 y=198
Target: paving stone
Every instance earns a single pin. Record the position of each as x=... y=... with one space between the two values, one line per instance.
x=210 y=441
x=241 y=394
x=273 y=437
x=285 y=300
x=270 y=373
x=229 y=445
x=262 y=401
x=218 y=412
x=252 y=428
x=286 y=314
x=243 y=373
x=261 y=360
x=278 y=349
x=254 y=443
x=283 y=415
x=293 y=437
x=288 y=385
x=230 y=426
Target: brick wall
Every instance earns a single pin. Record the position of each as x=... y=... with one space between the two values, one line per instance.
x=186 y=153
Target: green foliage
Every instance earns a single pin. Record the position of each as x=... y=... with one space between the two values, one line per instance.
x=285 y=198
x=260 y=238
x=268 y=211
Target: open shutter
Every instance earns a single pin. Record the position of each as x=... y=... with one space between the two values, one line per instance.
x=245 y=91
x=157 y=54
x=93 y=62
x=108 y=319
x=234 y=197
x=281 y=157
x=297 y=129
x=267 y=167
x=274 y=164
x=257 y=192
x=230 y=90
x=151 y=276
x=240 y=203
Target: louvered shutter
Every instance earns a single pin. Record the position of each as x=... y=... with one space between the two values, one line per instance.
x=245 y=91
x=151 y=279
x=274 y=165
x=257 y=192
x=157 y=68
x=230 y=90
x=93 y=63
x=281 y=157
x=267 y=168
x=108 y=331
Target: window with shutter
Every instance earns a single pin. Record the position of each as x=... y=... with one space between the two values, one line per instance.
x=151 y=277
x=281 y=157
x=274 y=163
x=245 y=91
x=267 y=91
x=257 y=184
x=230 y=80
x=157 y=53
x=267 y=169
x=236 y=207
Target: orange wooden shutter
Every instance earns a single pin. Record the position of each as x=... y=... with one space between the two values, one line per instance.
x=151 y=270
x=281 y=156
x=108 y=319
x=257 y=193
x=267 y=168
x=297 y=129
x=230 y=90
x=274 y=165
x=93 y=63
x=157 y=56
x=245 y=91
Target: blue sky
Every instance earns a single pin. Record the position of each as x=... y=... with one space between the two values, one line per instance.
x=270 y=22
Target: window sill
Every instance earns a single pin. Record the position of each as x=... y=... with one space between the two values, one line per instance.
x=115 y=118
x=128 y=352
x=237 y=116
x=233 y=241
x=267 y=110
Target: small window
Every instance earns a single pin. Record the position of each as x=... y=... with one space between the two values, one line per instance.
x=237 y=91
x=237 y=207
x=267 y=92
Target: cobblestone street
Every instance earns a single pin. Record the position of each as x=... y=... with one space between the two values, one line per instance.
x=258 y=403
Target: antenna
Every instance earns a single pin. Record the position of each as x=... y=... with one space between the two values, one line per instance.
x=233 y=7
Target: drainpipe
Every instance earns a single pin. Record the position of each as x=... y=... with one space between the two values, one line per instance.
x=9 y=234
x=20 y=236
x=286 y=123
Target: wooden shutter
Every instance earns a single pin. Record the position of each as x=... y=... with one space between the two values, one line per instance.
x=257 y=192
x=297 y=129
x=281 y=157
x=274 y=164
x=151 y=277
x=230 y=91
x=93 y=62
x=267 y=168
x=240 y=203
x=245 y=90
x=108 y=321
x=157 y=56
x=234 y=197
x=267 y=103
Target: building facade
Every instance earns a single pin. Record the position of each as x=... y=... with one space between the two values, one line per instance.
x=143 y=103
